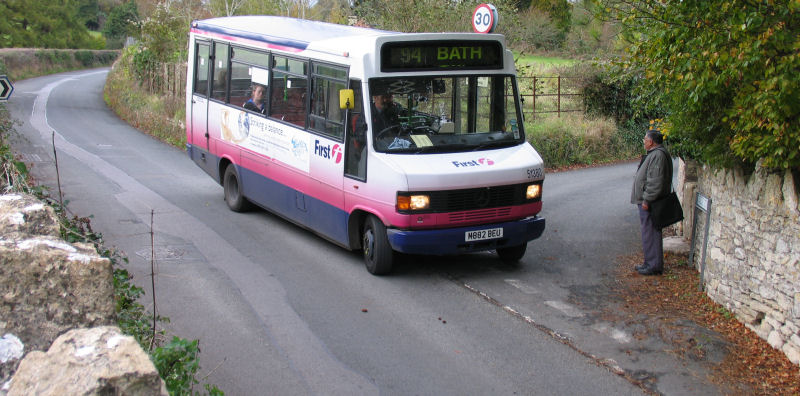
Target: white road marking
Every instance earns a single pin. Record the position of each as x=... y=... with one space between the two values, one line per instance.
x=618 y=335
x=568 y=309
x=522 y=286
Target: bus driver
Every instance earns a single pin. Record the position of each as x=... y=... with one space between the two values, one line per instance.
x=384 y=113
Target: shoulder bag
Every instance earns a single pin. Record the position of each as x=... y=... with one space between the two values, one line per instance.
x=666 y=211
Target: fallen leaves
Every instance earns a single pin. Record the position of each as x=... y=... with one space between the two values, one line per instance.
x=750 y=360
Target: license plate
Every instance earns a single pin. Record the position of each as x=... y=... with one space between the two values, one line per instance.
x=480 y=235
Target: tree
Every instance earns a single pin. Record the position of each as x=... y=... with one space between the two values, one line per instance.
x=164 y=34
x=725 y=72
x=244 y=7
x=225 y=7
x=122 y=21
x=41 y=23
x=560 y=11
x=334 y=11
x=432 y=15
x=89 y=13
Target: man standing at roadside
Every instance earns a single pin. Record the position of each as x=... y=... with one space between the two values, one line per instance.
x=653 y=181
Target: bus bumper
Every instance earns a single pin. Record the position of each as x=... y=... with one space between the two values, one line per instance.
x=453 y=240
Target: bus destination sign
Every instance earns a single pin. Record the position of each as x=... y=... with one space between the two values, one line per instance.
x=439 y=55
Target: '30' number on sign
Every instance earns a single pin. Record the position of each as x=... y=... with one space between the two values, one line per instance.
x=484 y=19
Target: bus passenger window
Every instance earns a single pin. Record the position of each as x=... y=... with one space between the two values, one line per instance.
x=219 y=89
x=201 y=69
x=289 y=86
x=355 y=165
x=325 y=115
x=249 y=79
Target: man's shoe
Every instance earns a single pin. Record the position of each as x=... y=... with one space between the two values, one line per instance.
x=639 y=267
x=649 y=271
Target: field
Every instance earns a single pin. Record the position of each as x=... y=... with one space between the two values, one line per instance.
x=543 y=61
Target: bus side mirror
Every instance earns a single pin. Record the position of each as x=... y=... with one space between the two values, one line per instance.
x=346 y=99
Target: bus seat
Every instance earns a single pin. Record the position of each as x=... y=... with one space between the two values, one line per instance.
x=295 y=107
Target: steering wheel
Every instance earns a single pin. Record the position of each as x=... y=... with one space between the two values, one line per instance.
x=422 y=130
x=395 y=129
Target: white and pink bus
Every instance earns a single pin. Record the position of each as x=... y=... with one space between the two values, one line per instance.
x=379 y=141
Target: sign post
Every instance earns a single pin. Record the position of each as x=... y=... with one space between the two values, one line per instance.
x=484 y=19
x=702 y=204
x=5 y=88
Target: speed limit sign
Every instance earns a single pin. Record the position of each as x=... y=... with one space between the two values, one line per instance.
x=484 y=19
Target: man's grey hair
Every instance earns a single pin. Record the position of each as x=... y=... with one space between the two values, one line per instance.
x=655 y=136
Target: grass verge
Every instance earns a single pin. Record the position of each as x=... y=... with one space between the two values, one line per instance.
x=161 y=116
x=575 y=139
x=543 y=60
x=22 y=63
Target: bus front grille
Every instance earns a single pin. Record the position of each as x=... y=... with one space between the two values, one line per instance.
x=477 y=198
x=475 y=215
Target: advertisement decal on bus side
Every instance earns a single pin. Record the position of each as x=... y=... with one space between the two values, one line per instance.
x=265 y=137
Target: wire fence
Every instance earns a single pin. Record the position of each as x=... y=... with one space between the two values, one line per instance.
x=549 y=95
x=165 y=79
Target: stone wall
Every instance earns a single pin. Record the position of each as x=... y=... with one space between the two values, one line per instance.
x=752 y=262
x=49 y=288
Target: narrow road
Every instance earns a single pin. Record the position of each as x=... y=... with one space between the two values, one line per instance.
x=279 y=310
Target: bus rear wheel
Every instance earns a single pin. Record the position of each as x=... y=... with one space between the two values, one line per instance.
x=378 y=254
x=512 y=254
x=233 y=191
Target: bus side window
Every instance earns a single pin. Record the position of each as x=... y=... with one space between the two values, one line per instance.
x=249 y=78
x=219 y=90
x=325 y=115
x=289 y=87
x=201 y=69
x=356 y=140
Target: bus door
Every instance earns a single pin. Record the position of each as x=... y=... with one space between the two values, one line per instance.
x=327 y=120
x=355 y=167
x=199 y=128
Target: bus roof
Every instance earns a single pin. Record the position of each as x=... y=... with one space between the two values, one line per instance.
x=296 y=35
x=284 y=31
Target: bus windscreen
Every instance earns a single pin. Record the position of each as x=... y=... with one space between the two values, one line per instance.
x=407 y=56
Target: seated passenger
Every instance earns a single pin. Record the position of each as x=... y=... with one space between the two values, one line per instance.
x=258 y=101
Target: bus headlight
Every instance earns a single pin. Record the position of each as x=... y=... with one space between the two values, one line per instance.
x=413 y=202
x=534 y=191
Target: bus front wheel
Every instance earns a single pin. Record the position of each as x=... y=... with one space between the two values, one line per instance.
x=378 y=254
x=233 y=190
x=512 y=254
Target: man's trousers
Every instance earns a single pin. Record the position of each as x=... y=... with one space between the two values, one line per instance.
x=652 y=243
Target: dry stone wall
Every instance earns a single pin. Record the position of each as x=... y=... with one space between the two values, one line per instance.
x=752 y=262
x=96 y=361
x=49 y=287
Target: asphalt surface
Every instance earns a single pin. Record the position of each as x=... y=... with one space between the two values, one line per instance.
x=279 y=310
